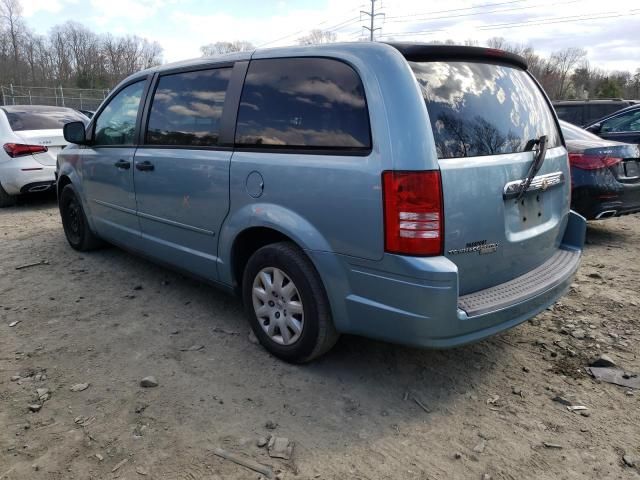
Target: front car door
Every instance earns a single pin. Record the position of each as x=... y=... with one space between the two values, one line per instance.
x=181 y=172
x=107 y=166
x=624 y=127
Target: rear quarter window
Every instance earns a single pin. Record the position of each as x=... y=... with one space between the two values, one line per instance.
x=479 y=109
x=303 y=103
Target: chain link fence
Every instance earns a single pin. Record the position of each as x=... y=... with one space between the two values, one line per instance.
x=78 y=98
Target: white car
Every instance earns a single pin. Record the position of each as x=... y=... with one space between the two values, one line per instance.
x=31 y=137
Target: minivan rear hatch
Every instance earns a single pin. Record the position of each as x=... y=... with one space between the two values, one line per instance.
x=488 y=116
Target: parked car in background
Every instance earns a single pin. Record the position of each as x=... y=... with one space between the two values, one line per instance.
x=583 y=112
x=605 y=175
x=622 y=126
x=412 y=193
x=31 y=137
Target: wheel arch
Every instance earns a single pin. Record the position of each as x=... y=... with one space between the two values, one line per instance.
x=68 y=175
x=255 y=226
x=246 y=244
x=62 y=182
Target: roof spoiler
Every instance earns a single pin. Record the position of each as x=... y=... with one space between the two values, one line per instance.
x=422 y=52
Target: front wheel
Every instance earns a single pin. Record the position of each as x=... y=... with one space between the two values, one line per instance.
x=74 y=222
x=286 y=303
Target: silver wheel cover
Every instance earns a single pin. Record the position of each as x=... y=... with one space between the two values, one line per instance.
x=278 y=306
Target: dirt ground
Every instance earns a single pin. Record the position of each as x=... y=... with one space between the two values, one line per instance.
x=367 y=410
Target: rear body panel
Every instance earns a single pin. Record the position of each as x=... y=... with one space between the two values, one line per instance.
x=610 y=191
x=52 y=139
x=485 y=115
x=517 y=236
x=415 y=301
x=26 y=175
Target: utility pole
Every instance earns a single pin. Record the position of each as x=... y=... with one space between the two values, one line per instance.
x=372 y=15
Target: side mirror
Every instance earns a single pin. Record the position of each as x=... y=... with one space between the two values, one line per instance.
x=74 y=132
x=595 y=128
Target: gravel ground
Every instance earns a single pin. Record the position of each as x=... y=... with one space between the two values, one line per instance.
x=367 y=410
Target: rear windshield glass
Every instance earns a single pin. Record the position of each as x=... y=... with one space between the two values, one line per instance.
x=42 y=118
x=479 y=109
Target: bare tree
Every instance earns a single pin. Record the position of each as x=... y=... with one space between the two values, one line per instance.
x=220 y=48
x=317 y=36
x=11 y=16
x=499 y=43
x=563 y=62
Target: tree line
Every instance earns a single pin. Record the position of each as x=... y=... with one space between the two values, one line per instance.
x=70 y=55
x=567 y=73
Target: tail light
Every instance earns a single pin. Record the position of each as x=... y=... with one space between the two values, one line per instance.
x=592 y=162
x=413 y=213
x=20 y=150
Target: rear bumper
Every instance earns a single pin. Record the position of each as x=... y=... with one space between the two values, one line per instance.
x=21 y=172
x=419 y=305
x=602 y=199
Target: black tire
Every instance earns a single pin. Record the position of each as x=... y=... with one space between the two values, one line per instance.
x=318 y=333
x=6 y=200
x=74 y=222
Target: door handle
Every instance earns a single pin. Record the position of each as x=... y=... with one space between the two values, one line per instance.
x=123 y=164
x=145 y=166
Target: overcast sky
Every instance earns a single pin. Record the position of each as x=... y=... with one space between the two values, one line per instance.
x=607 y=30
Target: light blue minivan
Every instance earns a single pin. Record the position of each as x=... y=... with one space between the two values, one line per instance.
x=412 y=193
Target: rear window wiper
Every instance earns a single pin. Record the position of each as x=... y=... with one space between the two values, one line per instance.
x=541 y=152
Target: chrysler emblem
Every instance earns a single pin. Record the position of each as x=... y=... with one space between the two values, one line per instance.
x=544 y=185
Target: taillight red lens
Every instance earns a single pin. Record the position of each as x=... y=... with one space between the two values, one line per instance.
x=592 y=162
x=19 y=150
x=413 y=217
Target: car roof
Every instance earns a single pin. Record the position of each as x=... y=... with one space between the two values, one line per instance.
x=411 y=51
x=630 y=108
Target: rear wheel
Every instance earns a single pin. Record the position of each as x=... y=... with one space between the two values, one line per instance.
x=286 y=303
x=6 y=200
x=74 y=222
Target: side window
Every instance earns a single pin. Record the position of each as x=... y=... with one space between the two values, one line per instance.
x=628 y=122
x=116 y=124
x=303 y=103
x=187 y=108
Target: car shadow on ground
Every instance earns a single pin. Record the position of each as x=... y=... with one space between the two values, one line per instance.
x=36 y=200
x=609 y=232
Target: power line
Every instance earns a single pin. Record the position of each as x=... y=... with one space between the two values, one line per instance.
x=344 y=24
x=504 y=10
x=568 y=19
x=306 y=29
x=578 y=18
x=458 y=9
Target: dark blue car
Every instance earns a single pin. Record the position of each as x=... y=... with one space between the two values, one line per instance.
x=605 y=175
